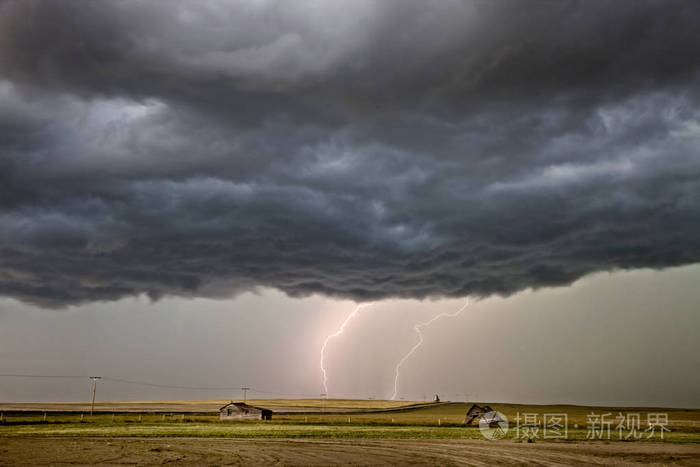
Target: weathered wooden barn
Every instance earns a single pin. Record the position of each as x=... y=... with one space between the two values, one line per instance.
x=476 y=412
x=243 y=411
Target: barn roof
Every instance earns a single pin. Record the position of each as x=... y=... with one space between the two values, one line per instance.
x=243 y=405
x=475 y=408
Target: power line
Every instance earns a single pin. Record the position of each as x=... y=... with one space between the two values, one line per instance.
x=170 y=386
x=272 y=393
x=158 y=385
x=42 y=376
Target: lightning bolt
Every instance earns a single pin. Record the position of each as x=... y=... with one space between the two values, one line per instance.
x=357 y=309
x=417 y=328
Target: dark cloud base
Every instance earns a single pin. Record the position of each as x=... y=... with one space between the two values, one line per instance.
x=367 y=150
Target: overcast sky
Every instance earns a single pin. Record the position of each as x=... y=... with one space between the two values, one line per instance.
x=193 y=189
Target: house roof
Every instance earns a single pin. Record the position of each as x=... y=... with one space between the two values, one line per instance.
x=475 y=408
x=243 y=405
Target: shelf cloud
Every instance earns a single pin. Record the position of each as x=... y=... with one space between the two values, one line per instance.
x=366 y=149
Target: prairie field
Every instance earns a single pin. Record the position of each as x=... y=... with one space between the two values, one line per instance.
x=318 y=418
x=205 y=406
x=321 y=432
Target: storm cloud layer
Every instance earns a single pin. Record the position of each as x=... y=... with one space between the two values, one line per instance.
x=361 y=149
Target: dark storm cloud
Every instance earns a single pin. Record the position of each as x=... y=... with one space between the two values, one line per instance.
x=363 y=149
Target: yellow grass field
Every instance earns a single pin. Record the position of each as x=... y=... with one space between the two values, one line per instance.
x=323 y=432
x=318 y=418
x=199 y=406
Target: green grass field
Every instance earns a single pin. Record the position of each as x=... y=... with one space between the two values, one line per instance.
x=355 y=420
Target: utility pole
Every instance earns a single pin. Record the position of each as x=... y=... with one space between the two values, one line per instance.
x=245 y=394
x=94 y=390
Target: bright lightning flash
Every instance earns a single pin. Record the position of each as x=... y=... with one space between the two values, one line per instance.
x=417 y=328
x=336 y=334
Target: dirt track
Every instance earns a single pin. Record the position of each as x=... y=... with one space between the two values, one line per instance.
x=149 y=451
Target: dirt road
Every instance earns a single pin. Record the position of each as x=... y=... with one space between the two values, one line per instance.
x=183 y=451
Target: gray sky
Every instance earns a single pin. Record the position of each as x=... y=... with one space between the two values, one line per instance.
x=324 y=153
x=620 y=339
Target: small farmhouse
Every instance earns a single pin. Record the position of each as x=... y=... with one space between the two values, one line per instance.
x=476 y=412
x=243 y=411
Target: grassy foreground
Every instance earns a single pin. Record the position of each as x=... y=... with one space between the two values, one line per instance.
x=350 y=419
